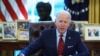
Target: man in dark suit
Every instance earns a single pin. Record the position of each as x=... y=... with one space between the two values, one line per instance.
x=53 y=45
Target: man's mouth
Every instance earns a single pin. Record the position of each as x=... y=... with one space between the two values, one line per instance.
x=61 y=28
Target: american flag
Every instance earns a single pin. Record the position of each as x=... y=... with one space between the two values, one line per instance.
x=11 y=10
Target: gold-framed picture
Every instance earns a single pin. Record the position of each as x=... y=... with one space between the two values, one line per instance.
x=1 y=27
x=23 y=35
x=9 y=31
x=79 y=26
x=92 y=32
x=23 y=24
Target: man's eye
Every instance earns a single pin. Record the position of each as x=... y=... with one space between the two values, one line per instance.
x=65 y=22
x=60 y=21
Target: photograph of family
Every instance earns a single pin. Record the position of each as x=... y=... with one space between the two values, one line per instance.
x=91 y=32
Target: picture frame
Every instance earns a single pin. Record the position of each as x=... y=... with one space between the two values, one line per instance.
x=23 y=35
x=1 y=27
x=92 y=32
x=9 y=31
x=79 y=26
x=23 y=24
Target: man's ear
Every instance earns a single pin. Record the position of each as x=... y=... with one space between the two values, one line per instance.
x=72 y=25
x=55 y=21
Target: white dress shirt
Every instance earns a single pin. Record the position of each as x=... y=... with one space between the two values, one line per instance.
x=58 y=37
x=21 y=55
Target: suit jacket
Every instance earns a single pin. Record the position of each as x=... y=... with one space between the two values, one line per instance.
x=48 y=43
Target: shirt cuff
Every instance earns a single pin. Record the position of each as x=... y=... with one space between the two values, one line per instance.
x=21 y=55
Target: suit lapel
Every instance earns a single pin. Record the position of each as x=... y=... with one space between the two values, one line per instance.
x=67 y=40
x=54 y=40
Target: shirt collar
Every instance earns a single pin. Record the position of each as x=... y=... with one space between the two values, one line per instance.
x=59 y=33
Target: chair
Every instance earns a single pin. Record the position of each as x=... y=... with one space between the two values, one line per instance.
x=35 y=29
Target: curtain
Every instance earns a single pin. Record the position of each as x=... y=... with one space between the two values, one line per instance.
x=94 y=11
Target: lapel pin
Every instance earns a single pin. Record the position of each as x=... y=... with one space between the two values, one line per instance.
x=69 y=37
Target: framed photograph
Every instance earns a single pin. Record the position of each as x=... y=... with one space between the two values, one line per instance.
x=79 y=26
x=23 y=24
x=1 y=27
x=92 y=32
x=9 y=31
x=23 y=35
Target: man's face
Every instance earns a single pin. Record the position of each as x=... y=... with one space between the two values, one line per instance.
x=62 y=23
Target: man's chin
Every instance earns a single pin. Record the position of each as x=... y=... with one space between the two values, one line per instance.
x=62 y=32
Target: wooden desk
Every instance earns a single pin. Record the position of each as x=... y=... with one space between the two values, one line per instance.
x=12 y=45
x=93 y=47
x=16 y=45
x=7 y=47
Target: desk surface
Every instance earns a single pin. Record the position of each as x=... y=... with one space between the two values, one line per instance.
x=17 y=45
x=93 y=45
x=12 y=45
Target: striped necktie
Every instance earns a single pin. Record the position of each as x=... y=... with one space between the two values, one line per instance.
x=60 y=46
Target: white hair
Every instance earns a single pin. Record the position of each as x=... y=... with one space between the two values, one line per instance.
x=64 y=12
